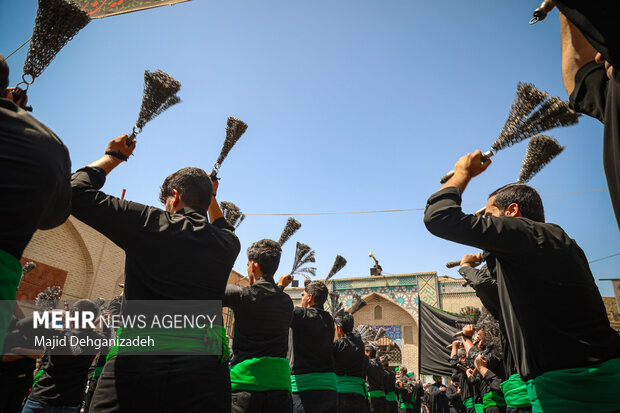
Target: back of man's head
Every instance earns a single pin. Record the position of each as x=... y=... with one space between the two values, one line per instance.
x=4 y=75
x=345 y=321
x=266 y=253
x=193 y=185
x=86 y=306
x=318 y=290
x=525 y=196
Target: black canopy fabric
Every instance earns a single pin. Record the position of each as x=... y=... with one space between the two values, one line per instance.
x=436 y=331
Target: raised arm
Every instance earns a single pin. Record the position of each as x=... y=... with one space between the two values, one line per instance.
x=576 y=52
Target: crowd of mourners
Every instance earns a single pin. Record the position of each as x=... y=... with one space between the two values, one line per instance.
x=542 y=343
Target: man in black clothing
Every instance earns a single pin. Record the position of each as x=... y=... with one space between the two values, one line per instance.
x=453 y=393
x=260 y=373
x=310 y=353
x=389 y=386
x=376 y=390
x=438 y=402
x=405 y=389
x=490 y=387
x=65 y=370
x=590 y=52
x=176 y=254
x=350 y=365
x=459 y=366
x=35 y=192
x=538 y=267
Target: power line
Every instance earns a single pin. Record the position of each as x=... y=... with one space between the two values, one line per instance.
x=16 y=50
x=383 y=211
x=604 y=258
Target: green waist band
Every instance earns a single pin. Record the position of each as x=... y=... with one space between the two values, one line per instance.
x=208 y=341
x=493 y=399
x=405 y=405
x=390 y=397
x=515 y=392
x=350 y=384
x=10 y=274
x=479 y=408
x=261 y=374
x=469 y=403
x=584 y=389
x=376 y=393
x=37 y=376
x=97 y=372
x=314 y=381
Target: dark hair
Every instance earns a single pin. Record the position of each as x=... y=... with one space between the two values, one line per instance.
x=85 y=305
x=371 y=348
x=345 y=321
x=525 y=196
x=403 y=369
x=193 y=185
x=318 y=290
x=455 y=378
x=266 y=253
x=4 y=74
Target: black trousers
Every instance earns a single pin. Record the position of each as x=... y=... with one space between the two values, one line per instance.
x=391 y=407
x=378 y=405
x=352 y=403
x=262 y=401
x=163 y=384
x=315 y=401
x=13 y=390
x=519 y=409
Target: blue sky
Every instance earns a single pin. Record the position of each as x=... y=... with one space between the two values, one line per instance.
x=351 y=106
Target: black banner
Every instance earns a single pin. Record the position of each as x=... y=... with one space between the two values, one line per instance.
x=436 y=332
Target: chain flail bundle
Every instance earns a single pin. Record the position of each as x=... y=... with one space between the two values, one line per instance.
x=160 y=91
x=235 y=128
x=541 y=149
x=291 y=227
x=232 y=213
x=303 y=255
x=339 y=264
x=56 y=23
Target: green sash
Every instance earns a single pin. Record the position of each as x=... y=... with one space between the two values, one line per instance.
x=10 y=274
x=376 y=394
x=469 y=403
x=37 y=376
x=479 y=408
x=313 y=381
x=586 y=389
x=97 y=372
x=390 y=397
x=515 y=392
x=350 y=384
x=493 y=399
x=404 y=405
x=261 y=374
x=175 y=340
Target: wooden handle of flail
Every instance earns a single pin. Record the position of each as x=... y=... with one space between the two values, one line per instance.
x=450 y=174
x=453 y=264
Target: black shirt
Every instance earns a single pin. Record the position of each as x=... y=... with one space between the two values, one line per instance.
x=312 y=338
x=349 y=356
x=35 y=170
x=455 y=403
x=539 y=269
x=177 y=256
x=597 y=96
x=263 y=315
x=64 y=376
x=375 y=375
x=389 y=381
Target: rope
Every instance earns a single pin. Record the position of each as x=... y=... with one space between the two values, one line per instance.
x=383 y=211
x=17 y=50
x=604 y=258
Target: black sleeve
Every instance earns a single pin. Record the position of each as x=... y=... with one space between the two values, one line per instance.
x=444 y=218
x=116 y=305
x=59 y=206
x=590 y=93
x=493 y=381
x=485 y=286
x=451 y=393
x=298 y=315
x=118 y=220
x=232 y=296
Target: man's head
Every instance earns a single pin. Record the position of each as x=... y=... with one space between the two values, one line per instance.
x=186 y=187
x=85 y=305
x=516 y=200
x=263 y=259
x=315 y=293
x=462 y=355
x=455 y=380
x=437 y=379
x=4 y=75
x=371 y=350
x=402 y=370
x=344 y=323
x=385 y=361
